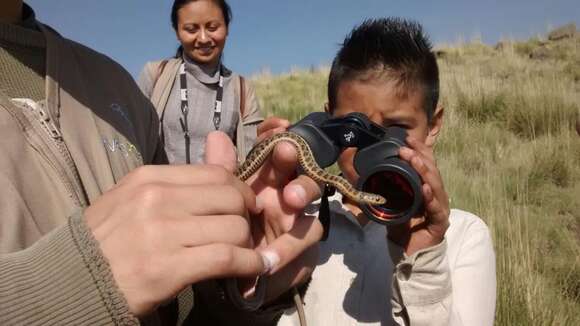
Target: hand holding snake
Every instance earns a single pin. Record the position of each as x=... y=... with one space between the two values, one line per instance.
x=252 y=164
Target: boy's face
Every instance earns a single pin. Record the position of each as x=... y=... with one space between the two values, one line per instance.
x=382 y=101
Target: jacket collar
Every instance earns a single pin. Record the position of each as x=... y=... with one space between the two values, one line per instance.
x=203 y=73
x=24 y=33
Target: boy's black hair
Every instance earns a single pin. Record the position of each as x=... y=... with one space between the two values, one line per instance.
x=395 y=48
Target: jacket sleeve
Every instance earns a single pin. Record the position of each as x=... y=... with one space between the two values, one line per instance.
x=421 y=289
x=473 y=276
x=61 y=279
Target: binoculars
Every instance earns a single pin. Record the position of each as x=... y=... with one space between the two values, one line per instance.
x=381 y=171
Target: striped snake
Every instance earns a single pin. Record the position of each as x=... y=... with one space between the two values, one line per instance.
x=260 y=152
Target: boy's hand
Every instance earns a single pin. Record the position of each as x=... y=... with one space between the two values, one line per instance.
x=428 y=230
x=271 y=126
x=280 y=231
x=300 y=268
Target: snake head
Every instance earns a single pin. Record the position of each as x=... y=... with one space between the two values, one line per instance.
x=373 y=199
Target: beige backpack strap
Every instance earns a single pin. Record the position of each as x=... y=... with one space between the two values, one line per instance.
x=238 y=135
x=163 y=77
x=160 y=69
x=242 y=97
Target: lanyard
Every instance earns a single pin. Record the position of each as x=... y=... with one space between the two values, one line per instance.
x=217 y=110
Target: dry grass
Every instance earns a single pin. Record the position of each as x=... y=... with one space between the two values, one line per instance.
x=510 y=154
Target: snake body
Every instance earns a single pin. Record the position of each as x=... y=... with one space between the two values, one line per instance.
x=260 y=152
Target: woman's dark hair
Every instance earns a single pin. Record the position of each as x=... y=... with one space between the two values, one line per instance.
x=178 y=4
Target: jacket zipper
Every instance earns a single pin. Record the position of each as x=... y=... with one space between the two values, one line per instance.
x=54 y=150
x=58 y=142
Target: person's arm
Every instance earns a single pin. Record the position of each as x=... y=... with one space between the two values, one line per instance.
x=473 y=272
x=421 y=288
x=61 y=279
x=100 y=268
x=427 y=290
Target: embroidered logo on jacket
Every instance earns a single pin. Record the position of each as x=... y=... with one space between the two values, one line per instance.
x=124 y=148
x=117 y=108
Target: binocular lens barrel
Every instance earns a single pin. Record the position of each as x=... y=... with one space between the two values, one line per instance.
x=395 y=188
x=401 y=187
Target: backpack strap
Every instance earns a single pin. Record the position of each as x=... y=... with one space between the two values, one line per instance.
x=155 y=97
x=242 y=97
x=160 y=69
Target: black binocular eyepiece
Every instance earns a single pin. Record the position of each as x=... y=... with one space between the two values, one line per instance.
x=381 y=171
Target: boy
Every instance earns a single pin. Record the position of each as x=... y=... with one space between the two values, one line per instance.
x=441 y=268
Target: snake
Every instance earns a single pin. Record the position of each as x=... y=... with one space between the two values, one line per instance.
x=262 y=150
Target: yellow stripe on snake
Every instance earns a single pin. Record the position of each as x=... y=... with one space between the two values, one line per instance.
x=260 y=152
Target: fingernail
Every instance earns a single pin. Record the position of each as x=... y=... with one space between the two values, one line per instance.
x=299 y=191
x=270 y=259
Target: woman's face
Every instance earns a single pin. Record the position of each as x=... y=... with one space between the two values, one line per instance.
x=202 y=31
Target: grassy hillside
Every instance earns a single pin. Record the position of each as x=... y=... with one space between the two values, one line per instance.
x=509 y=153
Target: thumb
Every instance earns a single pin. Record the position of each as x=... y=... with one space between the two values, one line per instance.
x=219 y=150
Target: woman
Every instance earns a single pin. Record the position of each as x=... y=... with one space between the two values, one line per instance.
x=194 y=93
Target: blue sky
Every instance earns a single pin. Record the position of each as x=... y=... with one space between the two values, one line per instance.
x=278 y=35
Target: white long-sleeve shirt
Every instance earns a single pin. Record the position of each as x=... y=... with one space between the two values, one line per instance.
x=364 y=279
